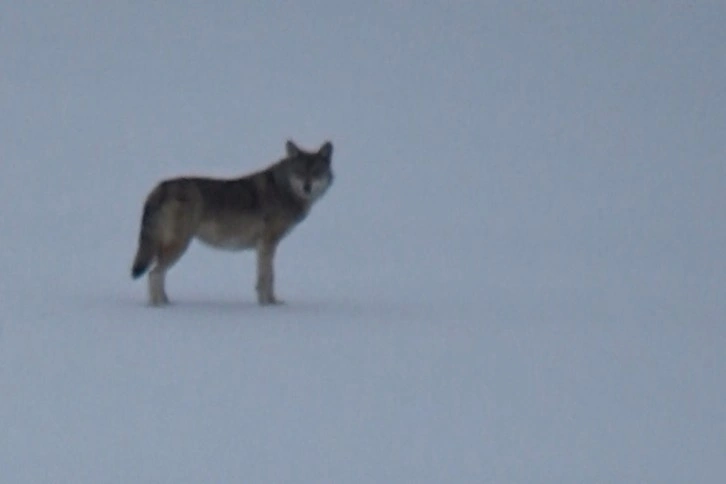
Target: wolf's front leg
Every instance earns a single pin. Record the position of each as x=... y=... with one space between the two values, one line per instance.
x=265 y=273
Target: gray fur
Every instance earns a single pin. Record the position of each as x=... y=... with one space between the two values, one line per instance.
x=252 y=212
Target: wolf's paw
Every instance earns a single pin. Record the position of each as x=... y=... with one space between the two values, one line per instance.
x=269 y=301
x=159 y=301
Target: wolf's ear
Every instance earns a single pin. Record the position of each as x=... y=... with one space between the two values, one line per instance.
x=292 y=150
x=326 y=151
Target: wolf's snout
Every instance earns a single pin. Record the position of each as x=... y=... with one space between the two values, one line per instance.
x=307 y=187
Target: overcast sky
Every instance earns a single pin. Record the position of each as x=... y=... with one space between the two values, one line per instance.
x=518 y=274
x=563 y=138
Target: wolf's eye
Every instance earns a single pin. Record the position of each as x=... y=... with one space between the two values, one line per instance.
x=300 y=172
x=317 y=169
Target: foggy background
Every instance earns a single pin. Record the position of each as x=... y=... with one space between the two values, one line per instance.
x=541 y=183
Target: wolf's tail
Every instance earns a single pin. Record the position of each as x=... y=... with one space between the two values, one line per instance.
x=147 y=241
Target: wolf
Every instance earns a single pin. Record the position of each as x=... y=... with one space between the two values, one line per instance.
x=255 y=211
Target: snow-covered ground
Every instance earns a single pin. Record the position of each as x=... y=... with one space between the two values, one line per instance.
x=518 y=276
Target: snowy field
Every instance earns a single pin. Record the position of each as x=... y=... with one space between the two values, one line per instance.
x=518 y=276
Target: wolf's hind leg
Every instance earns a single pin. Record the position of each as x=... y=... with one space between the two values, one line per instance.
x=157 y=293
x=166 y=258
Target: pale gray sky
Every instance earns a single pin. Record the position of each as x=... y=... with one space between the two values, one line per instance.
x=518 y=275
x=574 y=139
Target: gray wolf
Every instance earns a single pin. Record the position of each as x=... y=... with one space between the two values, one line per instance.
x=255 y=211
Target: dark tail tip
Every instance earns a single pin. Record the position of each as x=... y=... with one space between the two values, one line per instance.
x=138 y=269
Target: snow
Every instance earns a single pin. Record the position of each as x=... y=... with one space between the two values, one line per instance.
x=518 y=275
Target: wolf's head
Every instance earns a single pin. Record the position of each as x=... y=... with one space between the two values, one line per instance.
x=310 y=173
